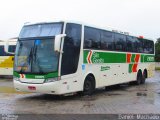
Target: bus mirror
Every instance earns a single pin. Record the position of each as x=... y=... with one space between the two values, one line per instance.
x=57 y=43
x=6 y=47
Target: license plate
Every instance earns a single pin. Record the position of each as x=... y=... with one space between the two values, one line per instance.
x=31 y=87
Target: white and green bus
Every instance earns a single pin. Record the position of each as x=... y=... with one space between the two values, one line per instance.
x=67 y=57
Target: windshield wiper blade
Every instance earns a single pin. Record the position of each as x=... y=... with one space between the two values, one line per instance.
x=36 y=61
x=30 y=56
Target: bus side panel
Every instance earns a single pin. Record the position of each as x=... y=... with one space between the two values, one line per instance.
x=111 y=68
x=6 y=65
x=115 y=74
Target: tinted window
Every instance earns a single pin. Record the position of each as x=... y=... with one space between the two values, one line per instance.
x=138 y=45
x=12 y=48
x=130 y=44
x=3 y=53
x=48 y=29
x=120 y=42
x=71 y=48
x=1 y=50
x=148 y=46
x=91 y=38
x=151 y=47
x=107 y=41
x=133 y=44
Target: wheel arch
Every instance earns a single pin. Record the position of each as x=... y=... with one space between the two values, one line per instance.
x=91 y=75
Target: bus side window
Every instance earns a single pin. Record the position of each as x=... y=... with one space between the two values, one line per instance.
x=91 y=38
x=130 y=45
x=12 y=48
x=71 y=48
x=120 y=42
x=138 y=45
x=1 y=50
x=151 y=47
x=107 y=40
x=147 y=46
x=133 y=45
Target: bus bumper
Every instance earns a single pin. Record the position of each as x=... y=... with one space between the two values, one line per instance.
x=47 y=88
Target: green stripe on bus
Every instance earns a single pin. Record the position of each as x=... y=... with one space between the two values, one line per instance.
x=133 y=58
x=148 y=58
x=16 y=74
x=130 y=68
x=52 y=75
x=37 y=76
x=85 y=54
x=113 y=57
x=105 y=57
x=142 y=56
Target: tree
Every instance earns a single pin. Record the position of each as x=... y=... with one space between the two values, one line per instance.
x=157 y=50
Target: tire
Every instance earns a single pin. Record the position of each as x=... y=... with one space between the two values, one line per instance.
x=139 y=78
x=89 y=86
x=144 y=76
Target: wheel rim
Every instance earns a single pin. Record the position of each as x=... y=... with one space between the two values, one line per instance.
x=143 y=78
x=87 y=85
x=144 y=75
x=139 y=79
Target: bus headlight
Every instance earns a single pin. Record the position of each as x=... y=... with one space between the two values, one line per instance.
x=16 y=78
x=51 y=80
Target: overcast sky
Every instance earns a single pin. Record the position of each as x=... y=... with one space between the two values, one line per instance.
x=138 y=17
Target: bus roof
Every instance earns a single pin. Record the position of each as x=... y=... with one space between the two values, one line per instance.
x=91 y=25
x=13 y=39
x=2 y=41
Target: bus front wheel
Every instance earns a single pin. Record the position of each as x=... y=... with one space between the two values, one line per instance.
x=89 y=86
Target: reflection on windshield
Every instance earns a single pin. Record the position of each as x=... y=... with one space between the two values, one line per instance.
x=41 y=30
x=36 y=56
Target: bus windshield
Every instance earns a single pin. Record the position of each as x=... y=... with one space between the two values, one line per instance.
x=41 y=30
x=35 y=49
x=36 y=56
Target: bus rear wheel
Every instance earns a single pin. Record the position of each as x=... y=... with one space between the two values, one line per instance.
x=89 y=86
x=144 y=76
x=139 y=78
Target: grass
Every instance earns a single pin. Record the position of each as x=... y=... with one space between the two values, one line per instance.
x=157 y=68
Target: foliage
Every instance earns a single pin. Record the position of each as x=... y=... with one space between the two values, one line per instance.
x=157 y=68
x=157 y=50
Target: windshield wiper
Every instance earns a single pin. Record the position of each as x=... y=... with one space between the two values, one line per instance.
x=36 y=61
x=30 y=56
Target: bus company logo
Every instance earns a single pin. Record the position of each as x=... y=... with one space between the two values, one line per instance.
x=39 y=77
x=94 y=57
x=22 y=75
x=150 y=59
x=104 y=68
x=89 y=57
